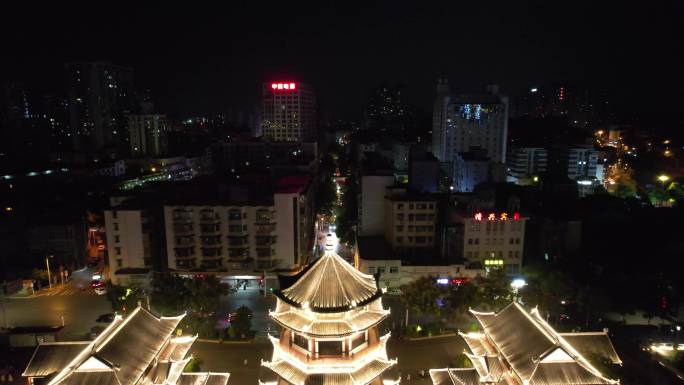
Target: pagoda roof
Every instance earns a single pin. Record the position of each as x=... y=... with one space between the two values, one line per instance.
x=535 y=352
x=362 y=375
x=455 y=376
x=593 y=343
x=203 y=378
x=331 y=284
x=332 y=324
x=51 y=357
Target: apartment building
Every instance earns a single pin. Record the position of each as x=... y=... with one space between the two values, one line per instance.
x=410 y=219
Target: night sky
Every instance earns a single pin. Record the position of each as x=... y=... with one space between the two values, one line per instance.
x=201 y=59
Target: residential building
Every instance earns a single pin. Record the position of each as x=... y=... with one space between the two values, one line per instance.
x=526 y=163
x=141 y=349
x=580 y=162
x=100 y=95
x=410 y=219
x=517 y=346
x=329 y=321
x=273 y=230
x=372 y=203
x=288 y=112
x=148 y=134
x=470 y=169
x=135 y=245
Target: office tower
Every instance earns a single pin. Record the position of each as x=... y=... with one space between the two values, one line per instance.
x=288 y=112
x=100 y=96
x=439 y=120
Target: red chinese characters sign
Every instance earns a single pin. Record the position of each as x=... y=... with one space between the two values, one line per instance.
x=492 y=216
x=283 y=86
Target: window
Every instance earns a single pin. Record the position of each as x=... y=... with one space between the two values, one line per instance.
x=400 y=217
x=411 y=228
x=400 y=206
x=517 y=254
x=470 y=241
x=118 y=250
x=469 y=254
x=429 y=239
x=510 y=254
x=431 y=206
x=371 y=270
x=400 y=239
x=117 y=239
x=510 y=241
x=394 y=270
x=381 y=269
x=330 y=348
x=477 y=241
x=411 y=206
x=358 y=340
x=421 y=239
x=114 y=214
x=400 y=228
x=244 y=227
x=119 y=262
x=410 y=239
x=517 y=241
x=411 y=216
x=116 y=226
x=421 y=217
x=421 y=206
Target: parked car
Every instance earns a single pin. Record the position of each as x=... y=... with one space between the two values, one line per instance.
x=105 y=318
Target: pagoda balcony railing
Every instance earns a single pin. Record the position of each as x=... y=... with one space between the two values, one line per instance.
x=309 y=358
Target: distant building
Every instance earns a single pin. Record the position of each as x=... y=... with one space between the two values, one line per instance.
x=141 y=349
x=410 y=219
x=580 y=162
x=471 y=169
x=100 y=95
x=288 y=112
x=64 y=237
x=461 y=122
x=524 y=163
x=148 y=135
x=424 y=172
x=371 y=204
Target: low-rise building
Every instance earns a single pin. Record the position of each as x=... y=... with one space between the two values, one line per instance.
x=410 y=219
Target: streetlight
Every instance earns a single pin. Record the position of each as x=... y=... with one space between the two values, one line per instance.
x=47 y=263
x=663 y=178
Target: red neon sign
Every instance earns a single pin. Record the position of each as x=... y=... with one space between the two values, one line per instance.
x=284 y=86
x=492 y=216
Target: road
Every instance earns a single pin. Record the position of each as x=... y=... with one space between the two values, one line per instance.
x=412 y=356
x=78 y=309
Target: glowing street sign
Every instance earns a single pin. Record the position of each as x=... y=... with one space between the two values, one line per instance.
x=284 y=86
x=492 y=216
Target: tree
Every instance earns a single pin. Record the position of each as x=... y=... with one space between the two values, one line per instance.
x=125 y=299
x=495 y=289
x=548 y=288
x=463 y=297
x=422 y=296
x=242 y=324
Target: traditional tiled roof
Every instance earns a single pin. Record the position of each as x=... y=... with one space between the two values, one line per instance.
x=455 y=376
x=593 y=343
x=535 y=352
x=128 y=348
x=331 y=285
x=329 y=324
x=361 y=376
x=51 y=357
x=203 y=378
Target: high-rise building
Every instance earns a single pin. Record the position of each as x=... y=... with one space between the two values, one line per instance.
x=288 y=112
x=100 y=95
x=461 y=122
x=372 y=203
x=148 y=134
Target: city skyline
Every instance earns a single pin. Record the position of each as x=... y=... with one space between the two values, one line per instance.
x=195 y=62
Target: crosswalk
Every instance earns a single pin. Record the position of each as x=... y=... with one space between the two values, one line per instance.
x=65 y=290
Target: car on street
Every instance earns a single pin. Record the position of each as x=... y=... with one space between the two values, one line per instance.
x=100 y=290
x=96 y=283
x=105 y=318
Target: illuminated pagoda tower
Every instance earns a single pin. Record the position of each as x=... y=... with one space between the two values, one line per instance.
x=517 y=347
x=141 y=349
x=329 y=320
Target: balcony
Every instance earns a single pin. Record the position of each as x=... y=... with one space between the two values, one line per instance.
x=210 y=229
x=238 y=253
x=182 y=216
x=185 y=263
x=212 y=240
x=264 y=228
x=210 y=218
x=265 y=252
x=183 y=230
x=237 y=230
x=374 y=344
x=211 y=252
x=211 y=264
x=184 y=252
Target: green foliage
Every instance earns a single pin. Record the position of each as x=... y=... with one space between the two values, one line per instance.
x=546 y=288
x=326 y=196
x=495 y=289
x=173 y=295
x=463 y=297
x=125 y=299
x=194 y=366
x=422 y=295
x=39 y=274
x=462 y=361
x=347 y=213
x=242 y=324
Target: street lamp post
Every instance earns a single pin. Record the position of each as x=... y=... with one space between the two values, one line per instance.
x=47 y=263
